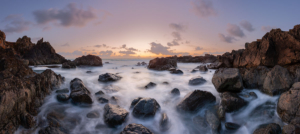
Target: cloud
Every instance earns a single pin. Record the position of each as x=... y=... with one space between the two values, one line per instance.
x=15 y=24
x=227 y=39
x=267 y=28
x=65 y=45
x=123 y=46
x=247 y=25
x=203 y=8
x=126 y=52
x=106 y=53
x=199 y=48
x=128 y=49
x=178 y=27
x=157 y=48
x=103 y=45
x=35 y=39
x=69 y=16
x=235 y=30
x=73 y=54
x=173 y=43
x=176 y=35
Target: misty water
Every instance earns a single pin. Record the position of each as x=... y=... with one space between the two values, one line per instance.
x=131 y=87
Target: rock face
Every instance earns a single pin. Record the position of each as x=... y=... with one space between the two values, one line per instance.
x=136 y=129
x=207 y=58
x=289 y=104
x=69 y=64
x=162 y=63
x=79 y=93
x=114 y=115
x=228 y=79
x=144 y=107
x=197 y=81
x=232 y=102
x=89 y=60
x=108 y=77
x=254 y=77
x=277 y=81
x=272 y=128
x=195 y=100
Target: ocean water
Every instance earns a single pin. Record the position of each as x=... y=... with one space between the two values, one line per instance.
x=259 y=111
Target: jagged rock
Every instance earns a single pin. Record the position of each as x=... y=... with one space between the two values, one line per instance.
x=164 y=123
x=114 y=115
x=65 y=90
x=176 y=72
x=197 y=81
x=272 y=128
x=69 y=64
x=254 y=77
x=144 y=107
x=79 y=93
x=232 y=126
x=232 y=102
x=277 y=81
x=27 y=121
x=93 y=114
x=89 y=60
x=150 y=85
x=195 y=100
x=228 y=79
x=162 y=63
x=62 y=97
x=175 y=91
x=2 y=39
x=108 y=77
x=136 y=129
x=99 y=93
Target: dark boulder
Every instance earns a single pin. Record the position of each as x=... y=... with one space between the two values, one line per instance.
x=99 y=93
x=177 y=71
x=254 y=77
x=291 y=129
x=175 y=91
x=27 y=121
x=150 y=85
x=79 y=93
x=202 y=68
x=51 y=130
x=207 y=58
x=197 y=81
x=62 y=97
x=145 y=107
x=89 y=60
x=103 y=100
x=195 y=100
x=68 y=64
x=213 y=121
x=228 y=79
x=141 y=64
x=136 y=129
x=108 y=77
x=162 y=63
x=232 y=102
x=272 y=128
x=114 y=115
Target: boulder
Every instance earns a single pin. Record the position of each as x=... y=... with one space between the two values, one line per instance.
x=164 y=123
x=232 y=126
x=136 y=129
x=202 y=68
x=195 y=100
x=89 y=60
x=197 y=81
x=93 y=114
x=108 y=77
x=207 y=58
x=216 y=65
x=62 y=97
x=272 y=128
x=99 y=93
x=144 y=107
x=150 y=85
x=175 y=91
x=103 y=100
x=277 y=81
x=232 y=102
x=114 y=115
x=254 y=77
x=177 y=71
x=79 y=93
x=213 y=121
x=228 y=79
x=141 y=64
x=51 y=130
x=162 y=63
x=291 y=129
x=68 y=64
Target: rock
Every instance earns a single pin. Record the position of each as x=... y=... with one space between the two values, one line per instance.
x=291 y=129
x=228 y=79
x=216 y=65
x=162 y=63
x=68 y=64
x=202 y=68
x=141 y=64
x=253 y=95
x=254 y=77
x=106 y=62
x=62 y=97
x=175 y=91
x=93 y=114
x=232 y=102
x=99 y=93
x=232 y=126
x=207 y=58
x=114 y=115
x=201 y=124
x=197 y=81
x=145 y=108
x=27 y=121
x=172 y=69
x=103 y=100
x=165 y=83
x=277 y=81
x=79 y=93
x=176 y=72
x=195 y=100
x=194 y=70
x=135 y=101
x=213 y=121
x=265 y=111
x=111 y=89
x=164 y=122
x=289 y=104
x=51 y=130
x=108 y=77
x=65 y=90
x=136 y=129
x=150 y=85
x=272 y=128
x=89 y=60
x=2 y=39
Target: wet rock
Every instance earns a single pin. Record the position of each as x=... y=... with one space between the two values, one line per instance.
x=195 y=100
x=197 y=81
x=51 y=130
x=162 y=63
x=165 y=83
x=228 y=79
x=201 y=124
x=202 y=68
x=108 y=77
x=277 y=81
x=111 y=89
x=172 y=69
x=27 y=121
x=114 y=115
x=213 y=121
x=164 y=122
x=99 y=93
x=176 y=72
x=103 y=100
x=175 y=91
x=194 y=70
x=291 y=129
x=264 y=111
x=272 y=128
x=106 y=62
x=141 y=64
x=145 y=107
x=89 y=72
x=89 y=60
x=150 y=85
x=289 y=104
x=254 y=77
x=216 y=65
x=232 y=126
x=136 y=129
x=93 y=114
x=68 y=64
x=79 y=93
x=232 y=102
x=207 y=58
x=62 y=97
x=253 y=95
x=65 y=90
x=135 y=101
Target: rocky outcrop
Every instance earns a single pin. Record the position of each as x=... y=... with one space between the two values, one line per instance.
x=272 y=128
x=114 y=115
x=162 y=63
x=144 y=107
x=195 y=100
x=79 y=93
x=89 y=60
x=207 y=58
x=228 y=79
x=254 y=77
x=2 y=39
x=108 y=77
x=136 y=129
x=69 y=64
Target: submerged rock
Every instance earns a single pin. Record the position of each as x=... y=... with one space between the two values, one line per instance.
x=108 y=77
x=79 y=93
x=51 y=130
x=197 y=81
x=162 y=63
x=175 y=91
x=291 y=129
x=62 y=97
x=93 y=114
x=144 y=107
x=111 y=88
x=164 y=123
x=99 y=93
x=213 y=121
x=89 y=60
x=103 y=100
x=136 y=129
x=195 y=100
x=150 y=85
x=65 y=90
x=114 y=115
x=228 y=79
x=254 y=77
x=176 y=72
x=232 y=126
x=272 y=128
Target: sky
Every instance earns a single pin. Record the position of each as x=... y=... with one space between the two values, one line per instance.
x=115 y=29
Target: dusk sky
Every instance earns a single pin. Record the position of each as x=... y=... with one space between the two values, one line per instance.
x=145 y=28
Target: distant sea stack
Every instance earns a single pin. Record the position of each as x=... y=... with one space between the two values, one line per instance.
x=89 y=60
x=163 y=63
